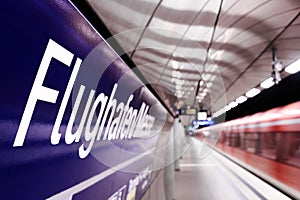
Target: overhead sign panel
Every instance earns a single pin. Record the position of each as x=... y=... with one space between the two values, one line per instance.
x=189 y=111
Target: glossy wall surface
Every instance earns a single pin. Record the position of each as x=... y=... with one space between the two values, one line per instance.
x=75 y=121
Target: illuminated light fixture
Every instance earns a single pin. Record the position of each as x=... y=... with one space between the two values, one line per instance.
x=175 y=64
x=252 y=92
x=216 y=115
x=293 y=68
x=206 y=77
x=212 y=78
x=201 y=83
x=203 y=94
x=267 y=83
x=192 y=88
x=241 y=99
x=233 y=104
x=208 y=85
x=227 y=108
x=179 y=93
x=176 y=74
x=221 y=111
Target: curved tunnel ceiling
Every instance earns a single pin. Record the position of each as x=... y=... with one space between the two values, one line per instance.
x=225 y=43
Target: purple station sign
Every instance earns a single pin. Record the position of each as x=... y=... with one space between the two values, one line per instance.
x=75 y=121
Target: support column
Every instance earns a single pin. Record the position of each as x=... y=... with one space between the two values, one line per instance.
x=177 y=145
x=169 y=173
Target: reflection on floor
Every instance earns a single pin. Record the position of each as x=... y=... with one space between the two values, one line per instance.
x=205 y=174
x=285 y=176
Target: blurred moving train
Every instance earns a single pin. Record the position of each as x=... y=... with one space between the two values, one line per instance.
x=274 y=134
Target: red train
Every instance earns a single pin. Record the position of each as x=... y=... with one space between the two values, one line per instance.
x=274 y=133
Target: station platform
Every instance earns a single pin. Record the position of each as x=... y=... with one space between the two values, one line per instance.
x=284 y=176
x=207 y=174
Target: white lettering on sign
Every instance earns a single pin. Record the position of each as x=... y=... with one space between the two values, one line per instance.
x=143 y=178
x=115 y=120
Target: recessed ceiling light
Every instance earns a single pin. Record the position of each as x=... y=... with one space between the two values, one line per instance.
x=227 y=108
x=293 y=68
x=241 y=99
x=233 y=104
x=208 y=85
x=267 y=83
x=252 y=92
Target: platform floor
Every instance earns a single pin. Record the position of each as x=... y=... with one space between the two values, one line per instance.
x=286 y=175
x=206 y=174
